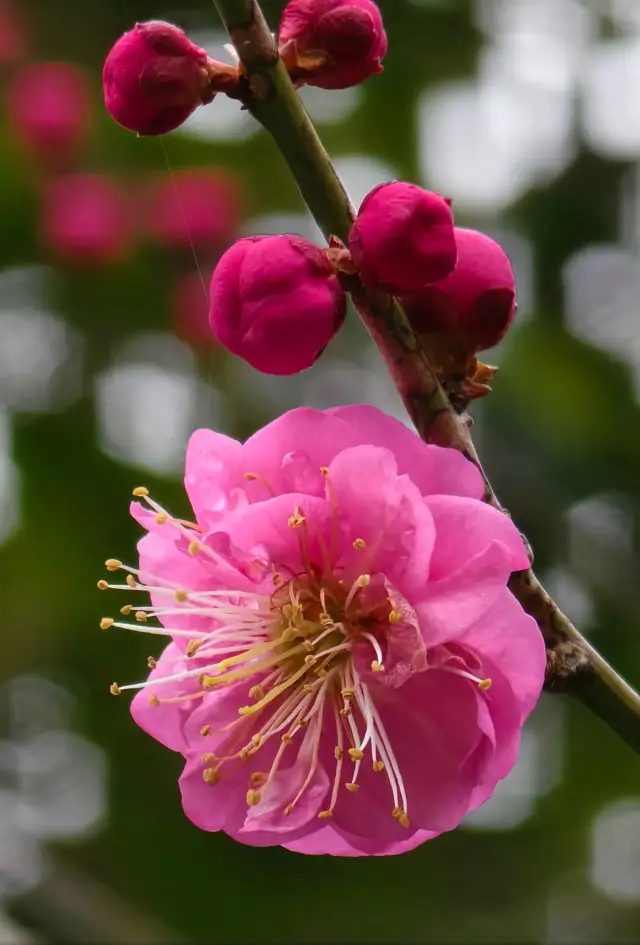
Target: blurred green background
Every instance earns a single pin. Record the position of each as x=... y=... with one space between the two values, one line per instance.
x=526 y=113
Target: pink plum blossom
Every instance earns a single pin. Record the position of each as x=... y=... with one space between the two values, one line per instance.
x=276 y=302
x=86 y=219
x=333 y=44
x=49 y=108
x=346 y=670
x=476 y=302
x=403 y=238
x=196 y=208
x=154 y=78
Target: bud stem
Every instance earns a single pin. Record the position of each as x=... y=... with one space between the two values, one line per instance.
x=573 y=665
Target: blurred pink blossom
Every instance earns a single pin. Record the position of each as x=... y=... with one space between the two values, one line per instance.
x=13 y=44
x=348 y=672
x=49 y=109
x=190 y=310
x=86 y=219
x=197 y=208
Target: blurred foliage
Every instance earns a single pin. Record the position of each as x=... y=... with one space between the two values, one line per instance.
x=561 y=426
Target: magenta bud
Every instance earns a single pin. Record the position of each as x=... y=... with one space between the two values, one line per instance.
x=86 y=219
x=48 y=107
x=276 y=302
x=402 y=238
x=476 y=302
x=195 y=208
x=155 y=77
x=333 y=44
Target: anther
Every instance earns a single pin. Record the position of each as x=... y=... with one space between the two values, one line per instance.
x=355 y=754
x=113 y=564
x=253 y=797
x=364 y=580
x=337 y=753
x=141 y=616
x=152 y=662
x=377 y=667
x=126 y=610
x=250 y=477
x=325 y=814
x=484 y=684
x=258 y=779
x=378 y=765
x=153 y=700
x=359 y=544
x=256 y=692
x=131 y=581
x=395 y=616
x=297 y=519
x=205 y=730
x=210 y=775
x=324 y=470
x=277 y=578
x=114 y=689
x=194 y=547
x=103 y=585
x=350 y=786
x=192 y=647
x=208 y=757
x=181 y=596
x=161 y=518
x=106 y=622
x=140 y=492
x=403 y=820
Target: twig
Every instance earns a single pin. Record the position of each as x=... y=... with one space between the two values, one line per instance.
x=573 y=666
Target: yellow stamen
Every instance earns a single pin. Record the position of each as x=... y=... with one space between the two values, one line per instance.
x=205 y=730
x=377 y=667
x=194 y=547
x=253 y=797
x=161 y=518
x=131 y=581
x=350 y=786
x=181 y=596
x=258 y=779
x=359 y=544
x=114 y=689
x=113 y=564
x=378 y=765
x=106 y=622
x=325 y=814
x=141 y=616
x=192 y=647
x=152 y=662
x=484 y=684
x=103 y=585
x=140 y=492
x=153 y=700
x=355 y=754
x=210 y=775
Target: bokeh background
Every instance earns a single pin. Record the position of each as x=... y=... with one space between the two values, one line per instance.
x=525 y=112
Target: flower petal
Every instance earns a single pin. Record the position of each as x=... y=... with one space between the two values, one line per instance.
x=433 y=469
x=513 y=642
x=212 y=471
x=465 y=527
x=458 y=601
x=166 y=722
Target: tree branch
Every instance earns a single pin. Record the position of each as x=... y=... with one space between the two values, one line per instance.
x=573 y=666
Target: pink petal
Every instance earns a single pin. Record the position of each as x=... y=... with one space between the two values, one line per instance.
x=387 y=512
x=433 y=469
x=332 y=841
x=166 y=722
x=212 y=470
x=465 y=527
x=432 y=726
x=311 y=433
x=512 y=641
x=455 y=603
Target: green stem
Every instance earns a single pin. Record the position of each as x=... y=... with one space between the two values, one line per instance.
x=574 y=666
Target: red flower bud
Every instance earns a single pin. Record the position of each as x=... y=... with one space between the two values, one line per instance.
x=195 y=208
x=402 y=238
x=48 y=107
x=155 y=77
x=276 y=302
x=476 y=303
x=86 y=219
x=333 y=44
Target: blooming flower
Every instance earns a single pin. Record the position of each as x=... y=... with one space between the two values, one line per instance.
x=154 y=77
x=48 y=107
x=86 y=219
x=276 y=302
x=347 y=671
x=333 y=44
x=402 y=238
x=476 y=302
